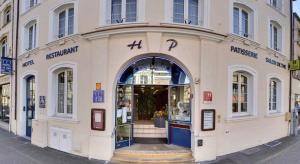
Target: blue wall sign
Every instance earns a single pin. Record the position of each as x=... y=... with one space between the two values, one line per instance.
x=6 y=66
x=98 y=96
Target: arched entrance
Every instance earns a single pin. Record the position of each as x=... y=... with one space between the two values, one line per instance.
x=153 y=104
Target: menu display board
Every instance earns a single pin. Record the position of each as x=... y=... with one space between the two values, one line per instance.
x=208 y=119
x=98 y=119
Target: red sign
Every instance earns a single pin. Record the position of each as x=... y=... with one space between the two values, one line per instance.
x=207 y=97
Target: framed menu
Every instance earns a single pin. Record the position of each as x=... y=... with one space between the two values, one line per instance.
x=98 y=119
x=208 y=119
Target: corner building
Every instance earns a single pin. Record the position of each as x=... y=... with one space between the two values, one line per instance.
x=176 y=56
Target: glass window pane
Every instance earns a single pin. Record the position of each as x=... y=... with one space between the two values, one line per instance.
x=71 y=21
x=236 y=21
x=131 y=8
x=116 y=11
x=61 y=92
x=61 y=24
x=178 y=11
x=30 y=37
x=180 y=109
x=275 y=31
x=69 y=91
x=245 y=23
x=193 y=12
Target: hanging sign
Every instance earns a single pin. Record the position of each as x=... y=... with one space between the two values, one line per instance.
x=208 y=119
x=98 y=96
x=98 y=119
x=6 y=66
x=42 y=102
x=294 y=65
x=207 y=96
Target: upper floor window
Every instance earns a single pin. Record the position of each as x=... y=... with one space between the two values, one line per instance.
x=30 y=39
x=243 y=21
x=28 y=4
x=276 y=4
x=123 y=11
x=7 y=15
x=275 y=36
x=63 y=21
x=4 y=47
x=274 y=95
x=64 y=103
x=187 y=11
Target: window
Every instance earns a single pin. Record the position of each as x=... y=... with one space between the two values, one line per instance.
x=4 y=49
x=31 y=35
x=7 y=15
x=274 y=95
x=276 y=4
x=123 y=11
x=243 y=21
x=65 y=92
x=275 y=36
x=66 y=22
x=64 y=18
x=240 y=93
x=186 y=11
x=28 y=4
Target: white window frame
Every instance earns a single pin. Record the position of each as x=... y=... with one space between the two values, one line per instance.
x=203 y=10
x=279 y=4
x=251 y=20
x=279 y=46
x=7 y=13
x=53 y=20
x=65 y=113
x=4 y=46
x=105 y=12
x=25 y=35
x=27 y=5
x=251 y=89
x=239 y=75
x=52 y=88
x=279 y=96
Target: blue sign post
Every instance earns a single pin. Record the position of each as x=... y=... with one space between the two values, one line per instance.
x=6 y=66
x=98 y=96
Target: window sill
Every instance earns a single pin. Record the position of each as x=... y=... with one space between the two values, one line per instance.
x=62 y=40
x=246 y=41
x=186 y=26
x=31 y=8
x=274 y=114
x=27 y=53
x=241 y=118
x=64 y=119
x=280 y=11
x=274 y=52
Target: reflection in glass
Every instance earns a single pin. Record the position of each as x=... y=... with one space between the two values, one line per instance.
x=180 y=103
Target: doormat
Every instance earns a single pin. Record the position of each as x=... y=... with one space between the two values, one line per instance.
x=251 y=151
x=273 y=144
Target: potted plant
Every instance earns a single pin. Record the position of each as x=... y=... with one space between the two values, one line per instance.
x=160 y=118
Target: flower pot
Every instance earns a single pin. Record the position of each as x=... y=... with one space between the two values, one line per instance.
x=160 y=122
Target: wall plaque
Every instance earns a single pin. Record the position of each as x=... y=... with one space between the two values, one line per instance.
x=208 y=119
x=98 y=119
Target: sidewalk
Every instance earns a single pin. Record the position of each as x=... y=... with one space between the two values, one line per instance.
x=285 y=150
x=16 y=150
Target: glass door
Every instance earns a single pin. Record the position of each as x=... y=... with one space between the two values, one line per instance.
x=30 y=104
x=180 y=115
x=124 y=126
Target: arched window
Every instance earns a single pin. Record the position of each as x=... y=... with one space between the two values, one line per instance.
x=243 y=21
x=274 y=95
x=275 y=36
x=30 y=39
x=4 y=47
x=62 y=91
x=7 y=15
x=123 y=11
x=242 y=91
x=64 y=21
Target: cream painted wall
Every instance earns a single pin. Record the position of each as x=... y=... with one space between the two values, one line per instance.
x=205 y=53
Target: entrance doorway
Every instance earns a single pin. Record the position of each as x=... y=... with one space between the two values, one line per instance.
x=153 y=104
x=30 y=104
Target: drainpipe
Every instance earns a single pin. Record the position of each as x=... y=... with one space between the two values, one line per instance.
x=16 y=59
x=293 y=130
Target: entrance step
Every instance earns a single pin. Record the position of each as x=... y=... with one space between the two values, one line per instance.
x=149 y=131
x=156 y=153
